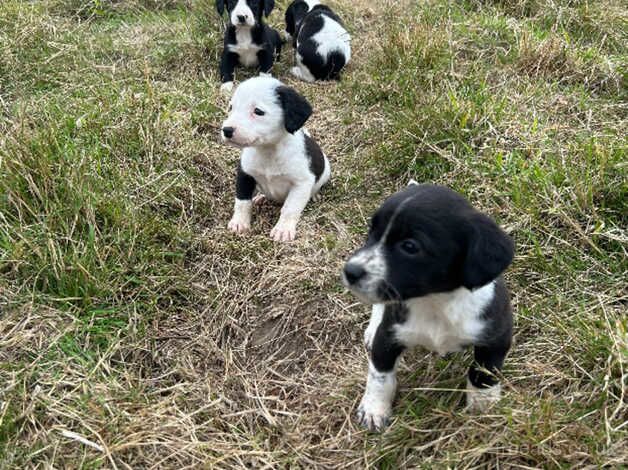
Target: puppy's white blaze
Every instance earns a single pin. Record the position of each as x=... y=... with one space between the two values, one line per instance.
x=413 y=182
x=445 y=322
x=373 y=262
x=376 y=405
x=481 y=399
x=377 y=314
x=242 y=9
x=332 y=37
x=312 y=3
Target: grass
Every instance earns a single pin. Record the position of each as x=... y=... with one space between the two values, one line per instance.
x=130 y=316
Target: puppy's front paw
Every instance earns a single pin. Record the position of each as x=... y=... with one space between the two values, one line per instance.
x=226 y=88
x=238 y=225
x=374 y=415
x=480 y=400
x=284 y=232
x=259 y=200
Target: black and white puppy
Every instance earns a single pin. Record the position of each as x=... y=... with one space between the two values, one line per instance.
x=431 y=267
x=280 y=161
x=248 y=40
x=323 y=45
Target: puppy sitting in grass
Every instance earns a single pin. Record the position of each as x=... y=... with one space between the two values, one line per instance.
x=279 y=161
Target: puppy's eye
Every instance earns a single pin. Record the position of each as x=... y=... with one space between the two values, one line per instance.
x=259 y=112
x=410 y=247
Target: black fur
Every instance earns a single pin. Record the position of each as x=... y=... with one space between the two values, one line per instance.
x=385 y=348
x=315 y=156
x=245 y=185
x=261 y=35
x=296 y=109
x=302 y=25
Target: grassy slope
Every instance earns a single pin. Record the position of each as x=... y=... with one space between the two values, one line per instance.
x=130 y=315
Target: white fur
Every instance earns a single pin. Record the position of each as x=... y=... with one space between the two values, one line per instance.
x=376 y=404
x=377 y=314
x=242 y=9
x=311 y=3
x=245 y=47
x=241 y=220
x=274 y=157
x=445 y=322
x=333 y=37
x=481 y=399
x=301 y=71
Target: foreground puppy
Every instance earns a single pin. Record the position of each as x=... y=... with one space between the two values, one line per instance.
x=248 y=41
x=432 y=268
x=323 y=45
x=279 y=160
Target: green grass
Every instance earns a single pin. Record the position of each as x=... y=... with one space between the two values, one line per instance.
x=131 y=317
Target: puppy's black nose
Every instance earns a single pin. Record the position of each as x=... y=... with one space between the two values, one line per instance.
x=228 y=132
x=242 y=18
x=354 y=272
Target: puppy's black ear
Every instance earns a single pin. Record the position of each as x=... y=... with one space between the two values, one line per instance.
x=220 y=6
x=296 y=109
x=489 y=252
x=268 y=6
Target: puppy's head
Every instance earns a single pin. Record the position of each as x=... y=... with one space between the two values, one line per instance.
x=262 y=111
x=245 y=13
x=423 y=240
x=295 y=13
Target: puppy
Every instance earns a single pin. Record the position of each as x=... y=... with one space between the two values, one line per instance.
x=323 y=45
x=431 y=267
x=248 y=41
x=280 y=161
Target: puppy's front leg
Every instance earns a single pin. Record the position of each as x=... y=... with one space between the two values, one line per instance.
x=245 y=187
x=286 y=228
x=265 y=59
x=227 y=67
x=381 y=383
x=483 y=387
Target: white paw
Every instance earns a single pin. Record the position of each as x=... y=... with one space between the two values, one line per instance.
x=287 y=36
x=374 y=415
x=226 y=88
x=283 y=232
x=238 y=225
x=259 y=199
x=482 y=399
x=265 y=74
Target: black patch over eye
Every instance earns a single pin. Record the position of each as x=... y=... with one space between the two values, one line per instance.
x=259 y=112
x=410 y=247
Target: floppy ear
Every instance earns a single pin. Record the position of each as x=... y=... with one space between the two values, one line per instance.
x=489 y=252
x=220 y=6
x=296 y=109
x=268 y=6
x=290 y=20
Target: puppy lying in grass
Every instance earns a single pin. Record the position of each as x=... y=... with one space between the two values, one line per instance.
x=323 y=45
x=432 y=269
x=280 y=161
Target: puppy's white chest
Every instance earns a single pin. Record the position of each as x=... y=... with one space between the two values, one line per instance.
x=445 y=322
x=270 y=175
x=245 y=47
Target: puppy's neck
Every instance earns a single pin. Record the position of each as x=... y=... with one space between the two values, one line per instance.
x=272 y=149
